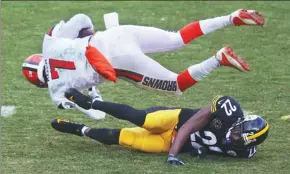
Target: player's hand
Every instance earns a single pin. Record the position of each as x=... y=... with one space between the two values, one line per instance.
x=173 y=160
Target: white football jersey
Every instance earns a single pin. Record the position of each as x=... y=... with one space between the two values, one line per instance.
x=66 y=66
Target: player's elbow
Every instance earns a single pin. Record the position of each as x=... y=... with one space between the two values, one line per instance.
x=81 y=16
x=83 y=19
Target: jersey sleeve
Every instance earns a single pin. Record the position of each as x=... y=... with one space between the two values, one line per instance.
x=227 y=109
x=242 y=153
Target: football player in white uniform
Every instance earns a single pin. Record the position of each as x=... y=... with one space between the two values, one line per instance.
x=69 y=29
x=70 y=61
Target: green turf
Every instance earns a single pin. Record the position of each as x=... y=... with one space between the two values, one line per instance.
x=31 y=146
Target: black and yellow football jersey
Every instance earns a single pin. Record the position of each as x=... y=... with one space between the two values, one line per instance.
x=225 y=112
x=161 y=124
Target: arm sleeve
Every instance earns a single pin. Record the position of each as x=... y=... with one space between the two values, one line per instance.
x=72 y=27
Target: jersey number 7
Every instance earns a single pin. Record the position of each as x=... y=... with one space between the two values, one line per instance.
x=62 y=64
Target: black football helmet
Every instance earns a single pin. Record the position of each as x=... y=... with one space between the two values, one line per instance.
x=250 y=131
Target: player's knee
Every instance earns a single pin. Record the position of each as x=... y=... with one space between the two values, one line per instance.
x=127 y=137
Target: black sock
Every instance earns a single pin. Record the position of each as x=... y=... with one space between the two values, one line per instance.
x=121 y=111
x=104 y=135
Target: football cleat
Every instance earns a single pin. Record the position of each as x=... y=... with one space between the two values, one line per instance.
x=247 y=17
x=227 y=57
x=66 y=126
x=78 y=98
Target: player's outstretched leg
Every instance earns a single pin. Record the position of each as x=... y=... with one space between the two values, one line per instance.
x=134 y=138
x=103 y=135
x=224 y=57
x=119 y=111
x=153 y=40
x=203 y=27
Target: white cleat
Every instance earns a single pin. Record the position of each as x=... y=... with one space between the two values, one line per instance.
x=246 y=17
x=227 y=57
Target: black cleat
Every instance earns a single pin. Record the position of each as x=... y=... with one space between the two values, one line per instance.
x=66 y=126
x=78 y=98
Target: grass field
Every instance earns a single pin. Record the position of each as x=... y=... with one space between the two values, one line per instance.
x=30 y=146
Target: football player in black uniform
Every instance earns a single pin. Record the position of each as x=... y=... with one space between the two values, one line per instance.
x=221 y=127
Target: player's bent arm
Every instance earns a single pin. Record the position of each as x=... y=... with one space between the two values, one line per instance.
x=195 y=123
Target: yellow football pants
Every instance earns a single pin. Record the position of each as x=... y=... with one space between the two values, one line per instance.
x=155 y=134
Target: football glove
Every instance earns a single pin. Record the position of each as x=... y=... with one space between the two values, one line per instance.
x=173 y=160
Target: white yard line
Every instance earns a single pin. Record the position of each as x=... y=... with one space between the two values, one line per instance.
x=7 y=111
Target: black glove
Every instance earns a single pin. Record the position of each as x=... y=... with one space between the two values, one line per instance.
x=173 y=160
